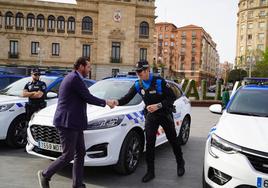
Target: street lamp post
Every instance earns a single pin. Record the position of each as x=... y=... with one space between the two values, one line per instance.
x=39 y=56
x=250 y=60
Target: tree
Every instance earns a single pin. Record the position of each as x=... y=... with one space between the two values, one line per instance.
x=237 y=75
x=261 y=67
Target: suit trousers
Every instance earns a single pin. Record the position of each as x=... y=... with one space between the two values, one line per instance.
x=152 y=122
x=73 y=146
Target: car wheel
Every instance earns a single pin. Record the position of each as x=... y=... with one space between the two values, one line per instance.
x=130 y=154
x=17 y=132
x=184 y=131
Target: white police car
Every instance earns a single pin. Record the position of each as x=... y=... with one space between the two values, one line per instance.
x=114 y=136
x=12 y=108
x=236 y=152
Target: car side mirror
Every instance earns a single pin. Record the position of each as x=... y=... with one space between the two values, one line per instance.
x=51 y=95
x=216 y=109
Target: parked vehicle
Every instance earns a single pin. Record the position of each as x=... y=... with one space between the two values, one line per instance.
x=12 y=108
x=236 y=153
x=7 y=79
x=113 y=136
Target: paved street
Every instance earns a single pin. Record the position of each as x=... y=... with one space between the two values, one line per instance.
x=18 y=169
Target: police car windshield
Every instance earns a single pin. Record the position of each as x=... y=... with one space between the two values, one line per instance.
x=114 y=89
x=251 y=102
x=16 y=88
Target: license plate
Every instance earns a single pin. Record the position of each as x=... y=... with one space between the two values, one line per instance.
x=50 y=146
x=262 y=183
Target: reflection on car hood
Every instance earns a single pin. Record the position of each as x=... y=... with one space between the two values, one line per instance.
x=93 y=112
x=246 y=131
x=5 y=99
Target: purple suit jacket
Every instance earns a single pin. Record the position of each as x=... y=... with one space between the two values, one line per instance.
x=71 y=111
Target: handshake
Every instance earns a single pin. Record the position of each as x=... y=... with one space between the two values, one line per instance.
x=112 y=103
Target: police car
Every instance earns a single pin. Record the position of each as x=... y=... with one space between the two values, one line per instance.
x=113 y=136
x=236 y=152
x=12 y=108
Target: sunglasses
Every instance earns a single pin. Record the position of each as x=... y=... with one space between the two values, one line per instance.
x=139 y=71
x=36 y=74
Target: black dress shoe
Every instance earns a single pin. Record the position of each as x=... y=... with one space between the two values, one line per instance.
x=180 y=170
x=148 y=177
x=43 y=182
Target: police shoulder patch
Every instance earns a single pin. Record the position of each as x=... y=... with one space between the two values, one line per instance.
x=167 y=85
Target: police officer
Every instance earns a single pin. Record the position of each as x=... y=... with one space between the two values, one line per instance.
x=158 y=111
x=36 y=92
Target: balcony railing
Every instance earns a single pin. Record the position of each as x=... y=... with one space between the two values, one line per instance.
x=30 y=28
x=144 y=36
x=71 y=31
x=51 y=30
x=40 y=29
x=9 y=26
x=13 y=55
x=116 y=60
x=19 y=28
x=87 y=32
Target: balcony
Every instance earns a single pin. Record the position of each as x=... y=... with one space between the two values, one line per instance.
x=9 y=26
x=116 y=60
x=87 y=32
x=13 y=55
x=144 y=36
x=60 y=31
x=193 y=36
x=183 y=36
x=40 y=29
x=71 y=31
x=30 y=28
x=51 y=30
x=19 y=28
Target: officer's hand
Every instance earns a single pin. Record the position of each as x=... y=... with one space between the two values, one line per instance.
x=116 y=103
x=152 y=108
x=110 y=103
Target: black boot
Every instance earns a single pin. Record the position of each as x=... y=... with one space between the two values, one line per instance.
x=180 y=168
x=149 y=175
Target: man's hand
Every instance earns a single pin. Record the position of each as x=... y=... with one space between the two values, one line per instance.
x=110 y=103
x=153 y=107
x=116 y=103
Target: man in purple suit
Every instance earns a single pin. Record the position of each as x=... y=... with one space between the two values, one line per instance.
x=71 y=119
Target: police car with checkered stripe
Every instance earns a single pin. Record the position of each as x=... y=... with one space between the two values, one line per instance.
x=236 y=153
x=13 y=125
x=113 y=136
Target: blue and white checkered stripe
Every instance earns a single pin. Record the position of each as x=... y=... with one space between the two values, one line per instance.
x=20 y=105
x=136 y=117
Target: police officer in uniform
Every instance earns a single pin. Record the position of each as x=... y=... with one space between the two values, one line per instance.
x=158 y=111
x=36 y=92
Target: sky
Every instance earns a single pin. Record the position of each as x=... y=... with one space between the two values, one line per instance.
x=217 y=17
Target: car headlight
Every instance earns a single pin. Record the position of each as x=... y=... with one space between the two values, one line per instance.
x=222 y=145
x=5 y=107
x=105 y=123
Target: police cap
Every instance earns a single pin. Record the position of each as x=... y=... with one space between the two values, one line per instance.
x=141 y=65
x=35 y=71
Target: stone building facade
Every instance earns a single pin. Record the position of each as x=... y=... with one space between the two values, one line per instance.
x=186 y=52
x=251 y=32
x=115 y=34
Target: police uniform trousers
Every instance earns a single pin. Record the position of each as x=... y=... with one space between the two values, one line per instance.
x=73 y=146
x=152 y=122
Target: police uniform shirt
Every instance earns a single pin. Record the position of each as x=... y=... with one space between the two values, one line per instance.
x=36 y=86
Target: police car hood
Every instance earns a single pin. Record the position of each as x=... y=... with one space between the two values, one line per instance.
x=93 y=112
x=246 y=131
x=6 y=99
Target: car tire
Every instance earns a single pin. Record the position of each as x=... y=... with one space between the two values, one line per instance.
x=184 y=131
x=17 y=132
x=130 y=154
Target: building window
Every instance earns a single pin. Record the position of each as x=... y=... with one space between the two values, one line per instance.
x=172 y=36
x=87 y=25
x=1 y=19
x=262 y=2
x=40 y=23
x=261 y=36
x=160 y=36
x=61 y=24
x=116 y=52
x=144 y=30
x=260 y=47
x=19 y=21
x=55 y=49
x=143 y=53
x=249 y=36
x=71 y=25
x=250 y=14
x=13 y=49
x=166 y=36
x=30 y=21
x=262 y=13
x=115 y=72
x=262 y=25
x=51 y=24
x=86 y=51
x=193 y=34
x=250 y=25
x=172 y=44
x=160 y=43
x=34 y=48
x=9 y=20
